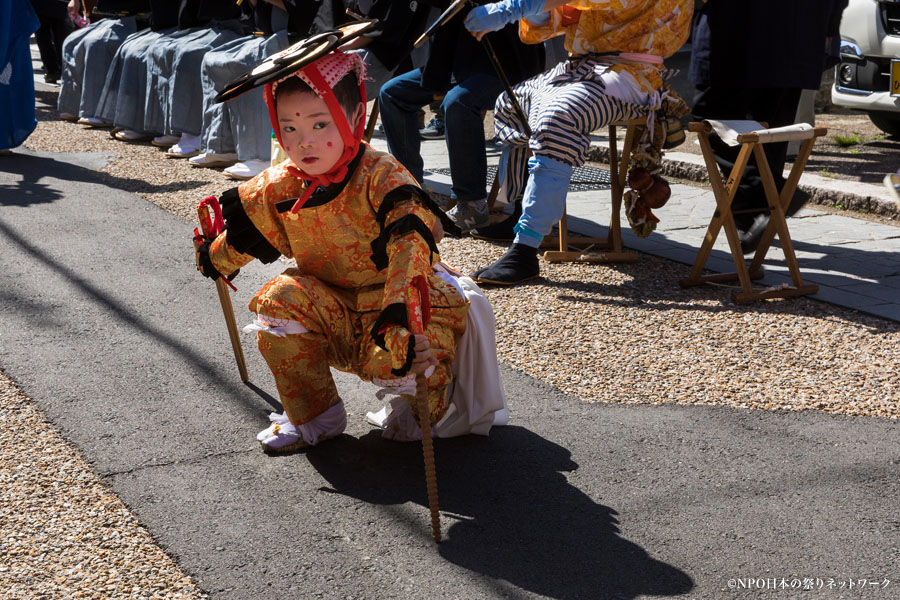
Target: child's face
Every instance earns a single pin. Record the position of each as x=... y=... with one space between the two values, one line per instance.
x=310 y=136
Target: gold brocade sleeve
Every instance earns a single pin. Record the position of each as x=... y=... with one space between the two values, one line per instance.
x=409 y=254
x=224 y=258
x=658 y=27
x=259 y=197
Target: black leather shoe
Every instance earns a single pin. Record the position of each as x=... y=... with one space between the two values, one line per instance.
x=519 y=264
x=751 y=237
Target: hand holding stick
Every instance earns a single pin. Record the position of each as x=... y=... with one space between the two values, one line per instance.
x=418 y=307
x=211 y=223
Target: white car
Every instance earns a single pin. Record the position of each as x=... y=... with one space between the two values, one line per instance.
x=868 y=76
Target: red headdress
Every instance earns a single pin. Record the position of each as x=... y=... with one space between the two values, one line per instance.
x=322 y=75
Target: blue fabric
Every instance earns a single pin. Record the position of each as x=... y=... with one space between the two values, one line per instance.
x=241 y=125
x=17 y=112
x=87 y=56
x=493 y=17
x=125 y=92
x=404 y=95
x=544 y=199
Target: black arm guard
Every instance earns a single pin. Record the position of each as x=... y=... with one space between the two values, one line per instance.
x=241 y=233
x=402 y=193
x=400 y=226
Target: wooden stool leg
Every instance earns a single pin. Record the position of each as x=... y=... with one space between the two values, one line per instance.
x=618 y=167
x=724 y=195
x=370 y=125
x=777 y=221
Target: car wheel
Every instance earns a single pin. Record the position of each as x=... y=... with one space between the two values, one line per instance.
x=888 y=122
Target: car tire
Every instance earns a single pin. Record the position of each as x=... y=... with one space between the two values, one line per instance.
x=888 y=122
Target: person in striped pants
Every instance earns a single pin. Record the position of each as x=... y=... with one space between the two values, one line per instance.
x=613 y=72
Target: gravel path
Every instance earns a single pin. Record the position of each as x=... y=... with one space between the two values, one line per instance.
x=63 y=533
x=620 y=333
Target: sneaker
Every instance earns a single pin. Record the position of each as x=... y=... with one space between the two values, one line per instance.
x=213 y=160
x=51 y=78
x=469 y=215
x=434 y=130
x=247 y=169
x=165 y=141
x=68 y=117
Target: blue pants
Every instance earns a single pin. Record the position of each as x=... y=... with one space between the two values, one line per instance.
x=87 y=56
x=241 y=125
x=400 y=99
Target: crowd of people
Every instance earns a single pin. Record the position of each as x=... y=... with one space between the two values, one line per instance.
x=152 y=68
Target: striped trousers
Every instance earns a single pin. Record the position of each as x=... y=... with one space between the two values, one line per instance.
x=563 y=106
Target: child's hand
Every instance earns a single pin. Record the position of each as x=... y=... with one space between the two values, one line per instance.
x=423 y=358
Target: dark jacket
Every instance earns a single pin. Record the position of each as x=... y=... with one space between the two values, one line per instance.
x=763 y=43
x=400 y=23
x=306 y=17
x=121 y=7
x=51 y=9
x=163 y=14
x=454 y=52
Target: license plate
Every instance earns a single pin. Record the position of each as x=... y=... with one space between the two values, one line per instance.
x=895 y=78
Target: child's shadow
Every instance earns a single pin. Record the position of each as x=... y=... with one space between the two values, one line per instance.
x=512 y=514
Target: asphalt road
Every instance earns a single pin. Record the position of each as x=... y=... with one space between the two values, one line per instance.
x=108 y=327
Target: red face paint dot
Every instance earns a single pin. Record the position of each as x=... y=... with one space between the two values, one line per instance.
x=329 y=144
x=298 y=114
x=288 y=148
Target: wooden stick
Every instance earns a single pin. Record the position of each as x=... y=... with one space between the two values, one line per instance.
x=416 y=327
x=231 y=324
x=209 y=230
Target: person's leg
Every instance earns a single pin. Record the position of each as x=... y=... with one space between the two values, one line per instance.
x=184 y=112
x=106 y=105
x=100 y=50
x=218 y=68
x=302 y=330
x=775 y=107
x=72 y=73
x=44 y=37
x=398 y=102
x=60 y=29
x=445 y=327
x=73 y=59
x=464 y=106
x=565 y=116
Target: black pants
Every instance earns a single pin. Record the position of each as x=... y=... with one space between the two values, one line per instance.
x=50 y=39
x=774 y=106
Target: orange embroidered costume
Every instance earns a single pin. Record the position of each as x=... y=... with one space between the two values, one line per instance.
x=359 y=235
x=614 y=72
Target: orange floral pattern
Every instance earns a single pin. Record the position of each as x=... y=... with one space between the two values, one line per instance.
x=658 y=27
x=336 y=291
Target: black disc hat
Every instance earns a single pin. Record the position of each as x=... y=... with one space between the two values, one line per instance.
x=294 y=58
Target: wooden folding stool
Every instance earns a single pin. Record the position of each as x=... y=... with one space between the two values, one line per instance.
x=370 y=123
x=582 y=249
x=752 y=142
